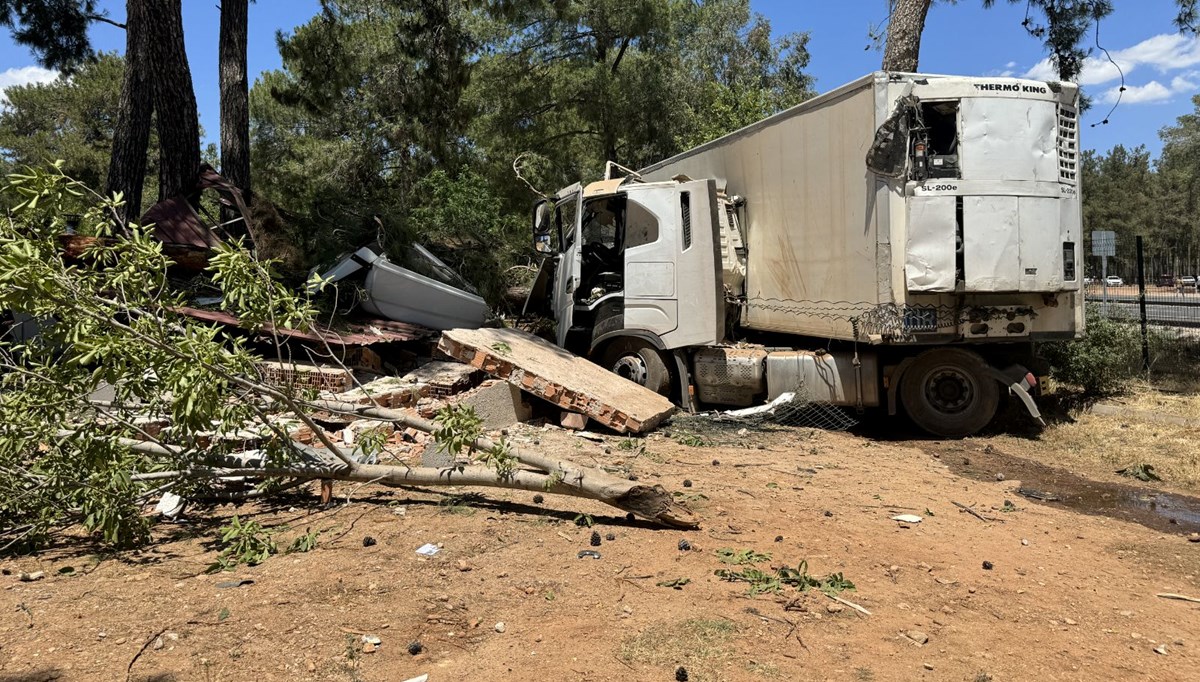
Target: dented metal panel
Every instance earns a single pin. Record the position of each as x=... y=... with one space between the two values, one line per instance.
x=991 y=243
x=1009 y=139
x=932 y=234
x=1041 y=243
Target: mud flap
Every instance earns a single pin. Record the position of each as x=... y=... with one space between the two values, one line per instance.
x=1020 y=382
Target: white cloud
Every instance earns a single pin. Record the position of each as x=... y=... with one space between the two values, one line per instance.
x=1140 y=94
x=1154 y=91
x=1164 y=53
x=23 y=75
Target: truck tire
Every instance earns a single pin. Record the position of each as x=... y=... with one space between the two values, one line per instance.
x=947 y=393
x=639 y=362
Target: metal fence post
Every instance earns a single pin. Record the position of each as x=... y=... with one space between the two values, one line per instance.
x=1141 y=275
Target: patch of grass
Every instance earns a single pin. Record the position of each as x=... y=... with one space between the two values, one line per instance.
x=864 y=673
x=762 y=582
x=456 y=504
x=692 y=440
x=741 y=557
x=698 y=644
x=769 y=670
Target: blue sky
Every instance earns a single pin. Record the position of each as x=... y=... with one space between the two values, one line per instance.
x=1162 y=68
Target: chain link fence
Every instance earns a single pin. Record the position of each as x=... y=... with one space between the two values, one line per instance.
x=1152 y=285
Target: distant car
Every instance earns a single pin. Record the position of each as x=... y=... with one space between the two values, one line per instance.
x=1114 y=281
x=1186 y=283
x=1165 y=280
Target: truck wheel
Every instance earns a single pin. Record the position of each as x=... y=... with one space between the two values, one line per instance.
x=947 y=393
x=638 y=362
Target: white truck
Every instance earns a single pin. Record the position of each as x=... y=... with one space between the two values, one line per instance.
x=901 y=241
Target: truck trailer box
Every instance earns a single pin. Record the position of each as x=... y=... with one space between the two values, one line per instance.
x=970 y=233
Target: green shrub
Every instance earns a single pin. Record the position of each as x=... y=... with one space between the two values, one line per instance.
x=1102 y=361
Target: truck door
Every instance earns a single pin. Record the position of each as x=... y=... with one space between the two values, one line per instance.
x=570 y=259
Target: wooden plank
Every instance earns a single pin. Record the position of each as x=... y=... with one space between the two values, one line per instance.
x=552 y=374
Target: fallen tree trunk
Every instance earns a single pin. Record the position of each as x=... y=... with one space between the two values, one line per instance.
x=555 y=476
x=650 y=502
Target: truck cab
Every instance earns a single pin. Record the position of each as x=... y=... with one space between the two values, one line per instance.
x=632 y=273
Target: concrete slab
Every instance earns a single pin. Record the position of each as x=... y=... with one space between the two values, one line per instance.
x=551 y=373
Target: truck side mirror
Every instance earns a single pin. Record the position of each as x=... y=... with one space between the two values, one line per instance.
x=543 y=223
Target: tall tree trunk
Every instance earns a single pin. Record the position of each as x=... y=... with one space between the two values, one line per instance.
x=174 y=99
x=127 y=165
x=905 y=26
x=235 y=102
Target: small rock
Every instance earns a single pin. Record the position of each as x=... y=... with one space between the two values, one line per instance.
x=681 y=674
x=1024 y=542
x=312 y=667
x=500 y=627
x=370 y=648
x=30 y=577
x=929 y=666
x=987 y=565
x=778 y=538
x=627 y=609
x=415 y=647
x=595 y=539
x=633 y=477
x=538 y=499
x=835 y=608
x=610 y=536
x=917 y=636
x=1127 y=614
x=999 y=477
x=716 y=462
x=368 y=541
x=1194 y=537
x=1135 y=635
x=158 y=643
x=1068 y=621
x=687 y=482
x=462 y=565
x=685 y=546
x=372 y=639
x=1161 y=649
x=828 y=514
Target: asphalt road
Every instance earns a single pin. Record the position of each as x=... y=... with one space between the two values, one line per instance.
x=1171 y=314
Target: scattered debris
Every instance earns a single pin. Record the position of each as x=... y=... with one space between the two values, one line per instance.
x=1142 y=472
x=170 y=506
x=681 y=674
x=30 y=577
x=676 y=583
x=538 y=499
x=415 y=647
x=1038 y=495
x=368 y=541
x=419 y=678
x=970 y=511
x=1180 y=597
x=428 y=549
x=227 y=584
x=500 y=627
x=904 y=518
x=987 y=565
x=589 y=554
x=917 y=636
x=1161 y=649
x=610 y=537
x=685 y=546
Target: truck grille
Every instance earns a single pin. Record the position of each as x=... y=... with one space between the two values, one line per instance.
x=1068 y=144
